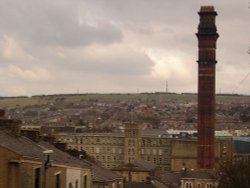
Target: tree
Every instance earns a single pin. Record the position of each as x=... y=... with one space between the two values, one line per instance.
x=79 y=154
x=235 y=174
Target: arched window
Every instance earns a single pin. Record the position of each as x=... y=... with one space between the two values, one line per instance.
x=209 y=185
x=188 y=185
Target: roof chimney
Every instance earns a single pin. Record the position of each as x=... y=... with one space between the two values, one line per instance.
x=10 y=125
x=2 y=113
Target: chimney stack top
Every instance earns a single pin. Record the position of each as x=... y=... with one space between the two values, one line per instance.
x=207 y=9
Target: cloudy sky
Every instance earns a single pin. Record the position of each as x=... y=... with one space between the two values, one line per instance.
x=69 y=46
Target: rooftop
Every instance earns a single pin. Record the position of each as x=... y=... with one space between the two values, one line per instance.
x=102 y=175
x=30 y=150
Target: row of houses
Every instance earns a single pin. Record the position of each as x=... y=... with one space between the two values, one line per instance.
x=37 y=164
x=28 y=164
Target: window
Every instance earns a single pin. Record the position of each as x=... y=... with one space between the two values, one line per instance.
x=153 y=142
x=148 y=142
x=160 y=151
x=131 y=159
x=154 y=160
x=120 y=151
x=132 y=151
x=108 y=158
x=84 y=181
x=102 y=150
x=129 y=151
x=142 y=151
x=131 y=142
x=154 y=151
x=188 y=185
x=87 y=141
x=103 y=158
x=37 y=178
x=108 y=149
x=148 y=151
x=143 y=142
x=70 y=185
x=198 y=185
x=58 y=185
x=133 y=133
x=76 y=184
x=209 y=185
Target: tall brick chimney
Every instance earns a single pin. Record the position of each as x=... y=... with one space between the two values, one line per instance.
x=207 y=36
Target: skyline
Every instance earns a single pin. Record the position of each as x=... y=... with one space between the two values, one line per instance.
x=115 y=46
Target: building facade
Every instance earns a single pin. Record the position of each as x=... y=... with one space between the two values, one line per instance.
x=113 y=150
x=22 y=166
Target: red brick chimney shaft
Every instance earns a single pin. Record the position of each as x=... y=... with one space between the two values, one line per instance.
x=207 y=36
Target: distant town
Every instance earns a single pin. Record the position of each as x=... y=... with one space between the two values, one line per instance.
x=107 y=112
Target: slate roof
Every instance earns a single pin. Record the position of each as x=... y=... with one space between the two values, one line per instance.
x=102 y=175
x=30 y=150
x=145 y=164
x=138 y=185
x=138 y=165
x=198 y=175
x=174 y=178
x=241 y=146
x=152 y=184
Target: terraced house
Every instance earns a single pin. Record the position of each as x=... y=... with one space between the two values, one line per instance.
x=28 y=164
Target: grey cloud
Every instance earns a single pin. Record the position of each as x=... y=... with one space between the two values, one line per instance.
x=98 y=45
x=48 y=23
x=141 y=10
x=115 y=60
x=76 y=35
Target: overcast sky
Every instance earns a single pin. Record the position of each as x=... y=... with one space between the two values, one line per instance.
x=85 y=46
